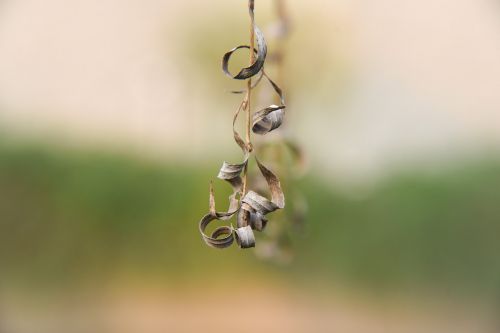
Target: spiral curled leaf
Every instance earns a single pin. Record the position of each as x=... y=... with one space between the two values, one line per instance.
x=215 y=240
x=247 y=216
x=254 y=202
x=254 y=206
x=232 y=174
x=270 y=118
x=258 y=64
x=245 y=237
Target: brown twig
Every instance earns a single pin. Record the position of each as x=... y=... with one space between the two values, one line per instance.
x=248 y=98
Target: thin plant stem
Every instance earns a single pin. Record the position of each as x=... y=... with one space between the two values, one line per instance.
x=247 y=101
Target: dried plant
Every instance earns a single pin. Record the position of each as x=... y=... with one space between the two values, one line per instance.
x=249 y=207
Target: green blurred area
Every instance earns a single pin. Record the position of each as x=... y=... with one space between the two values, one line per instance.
x=77 y=216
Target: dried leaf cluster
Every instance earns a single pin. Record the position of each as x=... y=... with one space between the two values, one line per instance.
x=249 y=206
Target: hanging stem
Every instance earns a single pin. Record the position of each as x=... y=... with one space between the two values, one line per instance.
x=248 y=98
x=249 y=81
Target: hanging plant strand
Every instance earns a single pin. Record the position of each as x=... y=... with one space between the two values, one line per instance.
x=249 y=207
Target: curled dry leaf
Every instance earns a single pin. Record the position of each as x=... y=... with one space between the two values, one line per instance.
x=215 y=239
x=253 y=69
x=231 y=173
x=270 y=118
x=245 y=237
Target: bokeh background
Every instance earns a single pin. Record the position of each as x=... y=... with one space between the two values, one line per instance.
x=114 y=116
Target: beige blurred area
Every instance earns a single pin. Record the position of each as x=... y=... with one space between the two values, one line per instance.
x=254 y=306
x=413 y=80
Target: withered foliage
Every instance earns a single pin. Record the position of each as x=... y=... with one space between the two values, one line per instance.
x=249 y=206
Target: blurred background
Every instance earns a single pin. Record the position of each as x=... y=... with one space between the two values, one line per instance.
x=114 y=116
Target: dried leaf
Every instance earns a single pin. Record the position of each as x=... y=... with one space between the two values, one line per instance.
x=255 y=206
x=278 y=198
x=270 y=118
x=211 y=201
x=214 y=240
x=258 y=64
x=245 y=237
x=232 y=174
